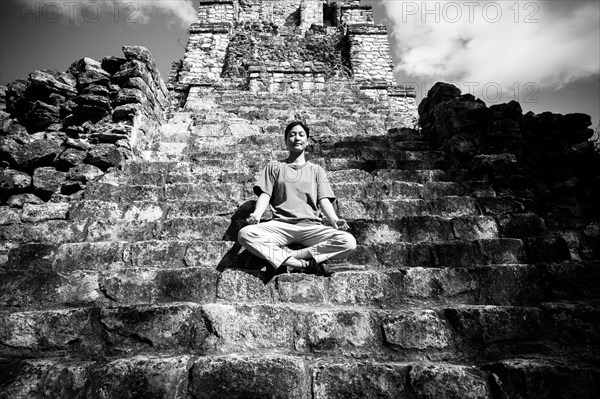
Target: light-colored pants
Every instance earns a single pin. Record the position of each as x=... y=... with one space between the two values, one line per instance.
x=265 y=240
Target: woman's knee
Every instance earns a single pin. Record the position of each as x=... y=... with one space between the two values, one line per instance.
x=348 y=241
x=245 y=234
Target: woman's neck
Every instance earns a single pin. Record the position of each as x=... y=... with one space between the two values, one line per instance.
x=296 y=158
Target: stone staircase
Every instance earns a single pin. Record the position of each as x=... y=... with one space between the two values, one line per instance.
x=141 y=292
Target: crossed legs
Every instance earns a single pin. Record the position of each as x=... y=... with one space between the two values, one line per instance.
x=268 y=241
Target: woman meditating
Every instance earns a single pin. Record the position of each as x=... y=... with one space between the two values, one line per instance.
x=297 y=191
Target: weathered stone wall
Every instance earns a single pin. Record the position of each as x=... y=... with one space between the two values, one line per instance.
x=311 y=12
x=60 y=130
x=204 y=54
x=286 y=47
x=357 y=15
x=216 y=11
x=286 y=80
x=370 y=54
x=546 y=162
x=258 y=45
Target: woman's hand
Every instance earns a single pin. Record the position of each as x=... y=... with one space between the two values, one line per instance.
x=341 y=224
x=252 y=219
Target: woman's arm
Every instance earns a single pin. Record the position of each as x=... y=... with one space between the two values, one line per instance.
x=329 y=212
x=259 y=208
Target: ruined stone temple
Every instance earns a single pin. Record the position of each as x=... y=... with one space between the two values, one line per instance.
x=477 y=272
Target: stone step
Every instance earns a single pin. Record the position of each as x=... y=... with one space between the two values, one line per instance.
x=410 y=333
x=375 y=255
x=122 y=283
x=215 y=165
x=68 y=231
x=409 y=220
x=370 y=157
x=365 y=193
x=298 y=377
x=153 y=272
x=272 y=139
x=412 y=219
x=375 y=239
x=160 y=173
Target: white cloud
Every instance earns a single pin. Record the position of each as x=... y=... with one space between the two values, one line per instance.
x=181 y=12
x=503 y=42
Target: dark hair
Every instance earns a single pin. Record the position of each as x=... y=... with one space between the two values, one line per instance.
x=295 y=123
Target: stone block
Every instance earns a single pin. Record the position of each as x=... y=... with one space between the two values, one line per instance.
x=140 y=377
x=416 y=330
x=144 y=211
x=521 y=225
x=126 y=112
x=432 y=381
x=37 y=213
x=381 y=232
x=360 y=380
x=201 y=228
x=500 y=205
x=94 y=209
x=38 y=289
x=301 y=288
x=70 y=157
x=546 y=378
x=429 y=228
x=8 y=216
x=109 y=192
x=366 y=288
x=421 y=255
x=573 y=279
x=488 y=325
x=546 y=248
x=438 y=189
x=53 y=82
x=19 y=200
x=576 y=324
x=148 y=328
x=207 y=253
x=242 y=328
x=475 y=227
x=128 y=96
x=348 y=331
x=453 y=206
x=49 y=232
x=510 y=285
x=121 y=230
x=243 y=287
x=91 y=256
x=105 y=156
x=84 y=173
x=44 y=377
x=41 y=116
x=268 y=376
x=14 y=181
x=35 y=257
x=194 y=208
x=458 y=254
x=48 y=180
x=503 y=250
x=46 y=330
x=232 y=192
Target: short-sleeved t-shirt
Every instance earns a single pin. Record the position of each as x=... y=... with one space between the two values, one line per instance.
x=295 y=191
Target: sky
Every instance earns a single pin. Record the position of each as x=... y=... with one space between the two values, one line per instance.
x=543 y=53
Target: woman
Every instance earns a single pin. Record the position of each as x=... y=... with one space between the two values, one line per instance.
x=296 y=190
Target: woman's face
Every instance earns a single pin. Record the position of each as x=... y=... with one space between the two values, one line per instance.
x=296 y=139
